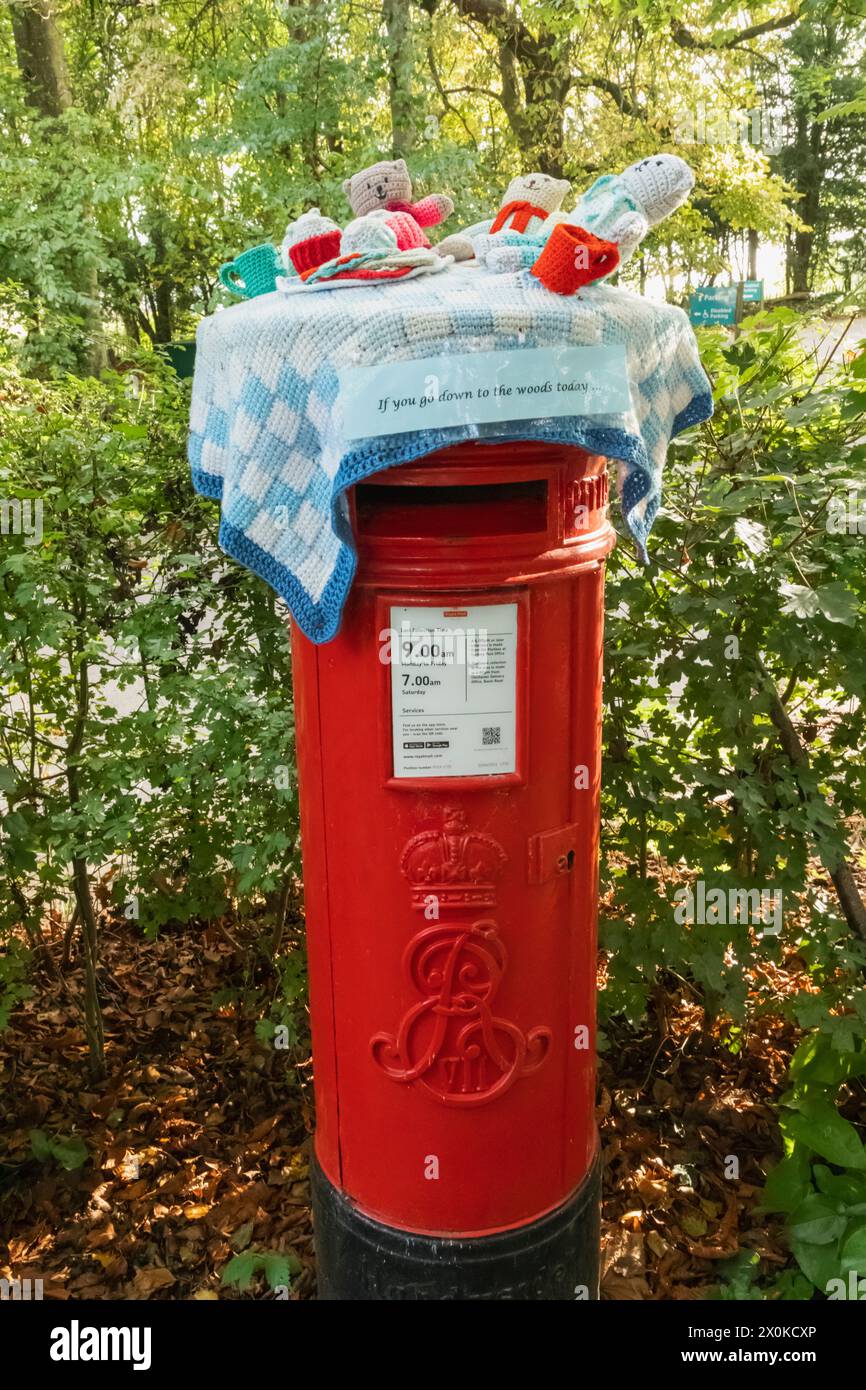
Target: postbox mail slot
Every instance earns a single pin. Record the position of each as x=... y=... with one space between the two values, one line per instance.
x=552 y=853
x=452 y=511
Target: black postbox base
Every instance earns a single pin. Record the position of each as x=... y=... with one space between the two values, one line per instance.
x=554 y=1258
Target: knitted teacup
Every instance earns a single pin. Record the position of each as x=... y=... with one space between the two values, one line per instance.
x=252 y=273
x=573 y=257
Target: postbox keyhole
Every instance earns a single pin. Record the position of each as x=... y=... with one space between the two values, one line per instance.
x=565 y=862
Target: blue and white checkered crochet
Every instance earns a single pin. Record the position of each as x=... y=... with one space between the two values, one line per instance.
x=264 y=434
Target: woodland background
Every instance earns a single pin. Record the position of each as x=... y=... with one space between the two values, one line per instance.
x=155 y=1100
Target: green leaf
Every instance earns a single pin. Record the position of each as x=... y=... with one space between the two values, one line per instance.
x=278 y=1268
x=846 y=1190
x=853 y=1252
x=788 y=1183
x=799 y=600
x=837 y=604
x=40 y=1145
x=820 y=1126
x=816 y=1221
x=241 y=1270
x=820 y=1263
x=69 y=1153
x=752 y=534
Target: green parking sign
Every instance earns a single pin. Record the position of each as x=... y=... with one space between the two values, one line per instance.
x=714 y=304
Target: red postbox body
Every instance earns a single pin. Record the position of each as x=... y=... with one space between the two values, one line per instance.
x=450 y=864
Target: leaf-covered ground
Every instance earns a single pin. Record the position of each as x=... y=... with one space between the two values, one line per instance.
x=197 y=1142
x=688 y=1132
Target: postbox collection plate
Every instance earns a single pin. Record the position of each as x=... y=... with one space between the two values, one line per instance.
x=454 y=690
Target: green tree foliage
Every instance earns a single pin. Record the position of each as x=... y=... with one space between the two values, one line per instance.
x=820 y=1184
x=750 y=626
x=143 y=144
x=146 y=735
x=734 y=737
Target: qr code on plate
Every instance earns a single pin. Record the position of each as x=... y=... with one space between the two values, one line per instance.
x=490 y=736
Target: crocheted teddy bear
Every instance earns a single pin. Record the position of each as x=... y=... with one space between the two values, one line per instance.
x=531 y=201
x=613 y=215
x=610 y=219
x=623 y=207
x=388 y=185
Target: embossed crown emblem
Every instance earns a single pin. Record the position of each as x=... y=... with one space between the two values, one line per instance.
x=456 y=865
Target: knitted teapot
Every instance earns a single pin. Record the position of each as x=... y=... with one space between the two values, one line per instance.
x=309 y=241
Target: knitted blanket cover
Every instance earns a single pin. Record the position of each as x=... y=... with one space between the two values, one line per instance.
x=265 y=436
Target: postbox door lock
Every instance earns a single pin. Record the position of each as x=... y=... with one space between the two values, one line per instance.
x=552 y=853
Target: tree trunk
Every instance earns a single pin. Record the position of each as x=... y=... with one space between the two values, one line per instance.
x=537 y=116
x=535 y=78
x=398 y=23
x=41 y=61
x=41 y=57
x=546 y=88
x=808 y=172
x=753 y=254
x=163 y=302
x=837 y=865
x=93 y=1026
x=131 y=328
x=801 y=259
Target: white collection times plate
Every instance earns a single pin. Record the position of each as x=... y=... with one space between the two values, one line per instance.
x=454 y=690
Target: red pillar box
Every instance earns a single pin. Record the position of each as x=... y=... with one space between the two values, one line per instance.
x=448 y=747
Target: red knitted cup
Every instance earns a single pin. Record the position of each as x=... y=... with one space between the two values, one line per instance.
x=574 y=257
x=308 y=255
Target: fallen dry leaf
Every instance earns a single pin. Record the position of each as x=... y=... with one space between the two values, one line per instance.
x=147 y=1281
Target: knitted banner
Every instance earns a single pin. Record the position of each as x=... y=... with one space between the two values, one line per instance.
x=265 y=436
